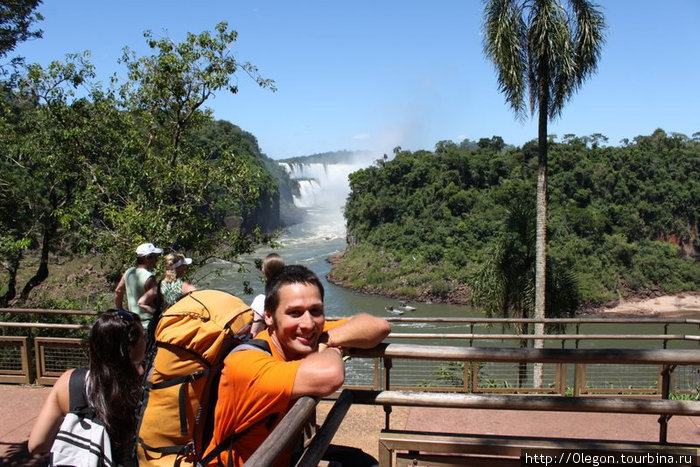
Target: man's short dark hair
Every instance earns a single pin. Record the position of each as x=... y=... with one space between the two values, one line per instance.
x=292 y=274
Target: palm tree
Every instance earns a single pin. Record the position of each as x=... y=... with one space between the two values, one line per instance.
x=505 y=283
x=542 y=50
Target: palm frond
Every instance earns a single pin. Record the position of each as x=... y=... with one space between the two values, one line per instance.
x=504 y=34
x=589 y=37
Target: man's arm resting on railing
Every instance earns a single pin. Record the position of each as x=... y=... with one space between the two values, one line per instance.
x=320 y=373
x=362 y=331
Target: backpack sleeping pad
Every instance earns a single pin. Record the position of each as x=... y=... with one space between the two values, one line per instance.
x=193 y=337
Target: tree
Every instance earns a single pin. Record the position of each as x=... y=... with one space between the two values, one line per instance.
x=49 y=135
x=505 y=282
x=542 y=50
x=180 y=193
x=112 y=168
x=175 y=82
x=16 y=19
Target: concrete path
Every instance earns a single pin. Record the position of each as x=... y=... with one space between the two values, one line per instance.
x=19 y=406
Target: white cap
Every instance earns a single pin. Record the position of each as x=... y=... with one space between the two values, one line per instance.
x=146 y=249
x=182 y=262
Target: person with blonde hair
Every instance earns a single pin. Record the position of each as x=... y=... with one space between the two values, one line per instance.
x=171 y=288
x=271 y=266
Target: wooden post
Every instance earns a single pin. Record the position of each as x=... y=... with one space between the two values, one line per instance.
x=665 y=393
x=387 y=386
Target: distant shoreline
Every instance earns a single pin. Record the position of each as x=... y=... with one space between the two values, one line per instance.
x=682 y=304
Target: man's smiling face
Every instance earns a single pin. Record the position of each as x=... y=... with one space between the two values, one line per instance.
x=297 y=323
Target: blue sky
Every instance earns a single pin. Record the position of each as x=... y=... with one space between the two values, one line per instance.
x=372 y=75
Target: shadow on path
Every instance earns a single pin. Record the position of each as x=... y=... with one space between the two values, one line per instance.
x=16 y=454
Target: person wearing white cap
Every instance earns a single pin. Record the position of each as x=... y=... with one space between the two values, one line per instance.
x=171 y=288
x=138 y=280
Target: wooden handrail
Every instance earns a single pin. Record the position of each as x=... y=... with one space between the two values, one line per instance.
x=423 y=335
x=284 y=434
x=41 y=311
x=500 y=354
x=528 y=402
x=467 y=320
x=44 y=325
x=325 y=434
x=477 y=320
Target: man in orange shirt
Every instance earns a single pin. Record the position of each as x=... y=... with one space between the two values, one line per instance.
x=257 y=389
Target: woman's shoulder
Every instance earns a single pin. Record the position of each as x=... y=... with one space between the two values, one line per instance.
x=64 y=379
x=61 y=391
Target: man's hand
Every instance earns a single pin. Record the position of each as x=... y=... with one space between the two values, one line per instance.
x=363 y=331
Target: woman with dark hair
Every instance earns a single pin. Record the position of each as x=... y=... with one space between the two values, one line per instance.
x=117 y=347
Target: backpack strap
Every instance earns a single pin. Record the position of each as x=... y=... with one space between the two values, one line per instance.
x=260 y=345
x=252 y=344
x=77 y=402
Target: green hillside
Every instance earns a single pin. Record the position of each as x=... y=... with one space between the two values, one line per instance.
x=623 y=220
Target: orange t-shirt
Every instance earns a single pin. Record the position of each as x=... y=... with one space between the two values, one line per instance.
x=255 y=391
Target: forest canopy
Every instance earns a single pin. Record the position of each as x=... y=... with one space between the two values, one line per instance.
x=623 y=220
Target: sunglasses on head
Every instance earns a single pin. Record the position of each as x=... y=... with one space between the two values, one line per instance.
x=125 y=315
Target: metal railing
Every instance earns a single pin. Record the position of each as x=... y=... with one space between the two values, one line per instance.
x=382 y=363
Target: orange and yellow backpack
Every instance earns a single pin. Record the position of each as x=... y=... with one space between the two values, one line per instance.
x=192 y=339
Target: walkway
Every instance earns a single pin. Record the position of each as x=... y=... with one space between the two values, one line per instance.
x=19 y=406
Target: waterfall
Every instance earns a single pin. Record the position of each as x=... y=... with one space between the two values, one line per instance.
x=323 y=190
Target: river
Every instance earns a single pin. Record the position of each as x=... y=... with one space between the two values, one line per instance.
x=310 y=244
x=323 y=233
x=324 y=188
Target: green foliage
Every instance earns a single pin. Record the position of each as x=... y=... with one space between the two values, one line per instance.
x=542 y=50
x=423 y=224
x=86 y=169
x=16 y=20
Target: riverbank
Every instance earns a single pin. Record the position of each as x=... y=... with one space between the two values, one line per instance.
x=682 y=304
x=84 y=284
x=685 y=304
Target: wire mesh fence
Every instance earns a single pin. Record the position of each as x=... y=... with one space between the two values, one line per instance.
x=10 y=357
x=506 y=377
x=54 y=358
x=59 y=359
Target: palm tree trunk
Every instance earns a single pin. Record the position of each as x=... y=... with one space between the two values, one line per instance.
x=541 y=232
x=522 y=366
